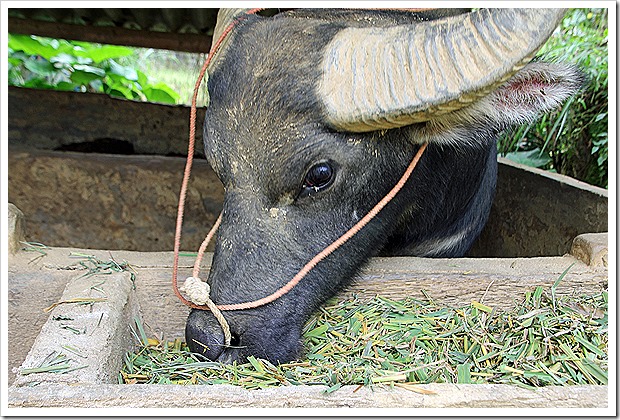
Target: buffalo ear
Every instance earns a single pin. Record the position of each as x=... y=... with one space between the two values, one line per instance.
x=536 y=89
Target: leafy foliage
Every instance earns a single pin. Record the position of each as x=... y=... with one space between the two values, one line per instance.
x=572 y=140
x=46 y=63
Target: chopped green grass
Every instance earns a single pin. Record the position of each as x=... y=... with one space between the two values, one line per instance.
x=54 y=363
x=545 y=340
x=35 y=247
x=94 y=265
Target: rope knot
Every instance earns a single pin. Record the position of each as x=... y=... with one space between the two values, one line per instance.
x=197 y=290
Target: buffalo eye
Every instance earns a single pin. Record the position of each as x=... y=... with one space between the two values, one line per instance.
x=318 y=177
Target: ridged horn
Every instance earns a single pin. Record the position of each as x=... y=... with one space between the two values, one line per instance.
x=225 y=18
x=382 y=78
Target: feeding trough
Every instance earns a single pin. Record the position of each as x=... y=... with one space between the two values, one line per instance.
x=534 y=233
x=87 y=328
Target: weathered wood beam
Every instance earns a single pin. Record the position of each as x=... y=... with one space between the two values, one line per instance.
x=47 y=119
x=194 y=43
x=538 y=213
x=97 y=200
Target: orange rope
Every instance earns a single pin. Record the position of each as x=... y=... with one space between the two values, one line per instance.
x=317 y=258
x=203 y=246
x=334 y=245
x=312 y=263
x=190 y=159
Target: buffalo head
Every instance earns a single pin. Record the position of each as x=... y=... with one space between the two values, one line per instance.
x=313 y=117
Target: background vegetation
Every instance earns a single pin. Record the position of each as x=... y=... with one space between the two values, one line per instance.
x=571 y=141
x=46 y=63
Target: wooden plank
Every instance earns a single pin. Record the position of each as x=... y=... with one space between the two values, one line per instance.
x=47 y=119
x=106 y=201
x=188 y=42
x=497 y=282
x=539 y=213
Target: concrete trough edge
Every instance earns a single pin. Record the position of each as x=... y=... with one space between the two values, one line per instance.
x=90 y=325
x=227 y=396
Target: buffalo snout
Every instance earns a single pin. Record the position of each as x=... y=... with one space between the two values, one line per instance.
x=251 y=335
x=204 y=335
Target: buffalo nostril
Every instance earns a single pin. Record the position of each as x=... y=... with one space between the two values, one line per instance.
x=231 y=353
x=235 y=340
x=204 y=335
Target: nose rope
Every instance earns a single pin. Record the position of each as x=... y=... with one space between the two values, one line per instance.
x=198 y=290
x=318 y=257
x=183 y=193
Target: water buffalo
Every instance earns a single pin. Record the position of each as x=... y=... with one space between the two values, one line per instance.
x=313 y=117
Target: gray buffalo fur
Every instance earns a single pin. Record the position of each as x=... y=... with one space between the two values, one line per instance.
x=265 y=128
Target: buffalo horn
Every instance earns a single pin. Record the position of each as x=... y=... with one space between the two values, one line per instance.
x=224 y=18
x=382 y=78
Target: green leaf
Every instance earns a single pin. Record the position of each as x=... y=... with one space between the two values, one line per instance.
x=31 y=46
x=99 y=53
x=600 y=116
x=561 y=277
x=143 y=79
x=126 y=72
x=143 y=336
x=118 y=79
x=534 y=158
x=543 y=377
x=333 y=388
x=256 y=364
x=90 y=69
x=463 y=373
x=82 y=77
x=38 y=83
x=68 y=59
x=584 y=342
x=593 y=370
x=481 y=307
x=84 y=74
x=66 y=86
x=318 y=331
x=40 y=67
x=15 y=78
x=120 y=92
x=161 y=93
x=114 y=86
